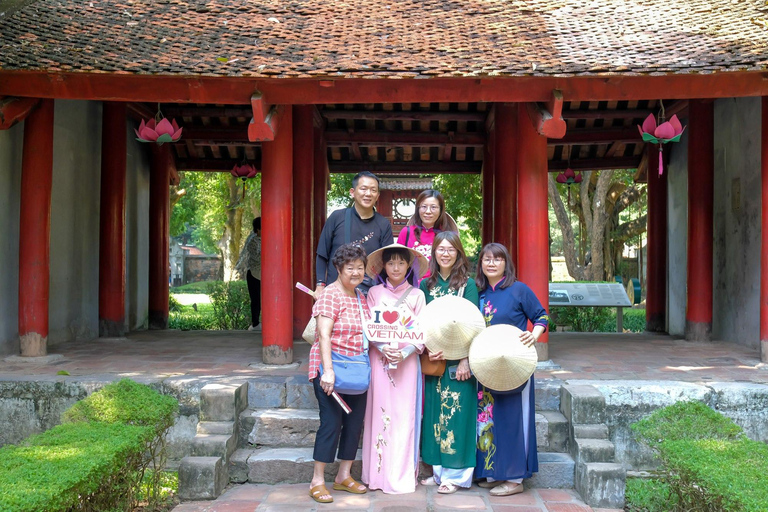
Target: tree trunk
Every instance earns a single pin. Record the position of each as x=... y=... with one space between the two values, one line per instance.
x=229 y=244
x=569 y=243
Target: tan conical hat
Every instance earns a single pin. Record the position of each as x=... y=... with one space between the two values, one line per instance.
x=450 y=323
x=499 y=360
x=376 y=265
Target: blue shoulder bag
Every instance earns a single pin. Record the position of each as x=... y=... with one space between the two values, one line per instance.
x=353 y=373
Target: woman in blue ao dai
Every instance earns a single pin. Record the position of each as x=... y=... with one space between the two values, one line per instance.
x=506 y=429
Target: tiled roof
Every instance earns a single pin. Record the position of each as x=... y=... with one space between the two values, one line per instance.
x=386 y=38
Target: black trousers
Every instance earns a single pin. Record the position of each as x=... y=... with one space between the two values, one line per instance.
x=254 y=290
x=336 y=427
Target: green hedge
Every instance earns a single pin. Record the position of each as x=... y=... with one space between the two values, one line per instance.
x=96 y=460
x=597 y=319
x=711 y=465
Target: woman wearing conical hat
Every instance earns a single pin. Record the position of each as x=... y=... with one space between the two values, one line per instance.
x=506 y=428
x=450 y=400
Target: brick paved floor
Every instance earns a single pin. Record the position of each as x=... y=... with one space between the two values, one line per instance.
x=292 y=498
x=580 y=356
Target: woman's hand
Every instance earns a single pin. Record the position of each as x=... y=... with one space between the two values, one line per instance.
x=462 y=372
x=393 y=355
x=436 y=356
x=527 y=338
x=327 y=381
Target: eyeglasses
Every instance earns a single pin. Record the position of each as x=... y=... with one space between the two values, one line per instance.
x=440 y=250
x=497 y=261
x=429 y=208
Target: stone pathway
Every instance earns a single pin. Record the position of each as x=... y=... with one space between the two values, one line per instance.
x=294 y=498
x=585 y=356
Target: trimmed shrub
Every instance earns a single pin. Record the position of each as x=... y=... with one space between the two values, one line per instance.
x=711 y=465
x=97 y=459
x=649 y=496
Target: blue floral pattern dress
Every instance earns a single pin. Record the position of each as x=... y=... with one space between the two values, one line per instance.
x=506 y=428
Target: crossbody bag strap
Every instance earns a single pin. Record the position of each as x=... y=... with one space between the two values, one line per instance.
x=403 y=296
x=348 y=226
x=460 y=293
x=362 y=321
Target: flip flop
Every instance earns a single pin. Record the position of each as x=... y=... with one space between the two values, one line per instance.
x=350 y=485
x=447 y=488
x=506 y=489
x=320 y=490
x=429 y=481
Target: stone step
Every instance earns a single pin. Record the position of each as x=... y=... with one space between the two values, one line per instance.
x=216 y=427
x=287 y=428
x=295 y=465
x=296 y=392
x=601 y=484
x=214 y=445
x=202 y=478
x=593 y=450
x=591 y=431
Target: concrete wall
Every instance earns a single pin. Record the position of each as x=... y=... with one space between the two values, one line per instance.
x=136 y=232
x=74 y=300
x=677 y=233
x=74 y=245
x=737 y=221
x=737 y=206
x=10 y=188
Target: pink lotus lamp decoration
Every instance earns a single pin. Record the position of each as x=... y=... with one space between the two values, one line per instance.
x=568 y=177
x=669 y=131
x=158 y=130
x=244 y=171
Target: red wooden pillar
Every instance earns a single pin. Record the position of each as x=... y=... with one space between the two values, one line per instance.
x=764 y=229
x=488 y=178
x=701 y=195
x=656 y=262
x=112 y=221
x=320 y=191
x=161 y=164
x=384 y=205
x=532 y=215
x=505 y=186
x=303 y=181
x=276 y=228
x=35 y=229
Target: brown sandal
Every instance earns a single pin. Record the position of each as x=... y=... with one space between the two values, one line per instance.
x=320 y=490
x=350 y=485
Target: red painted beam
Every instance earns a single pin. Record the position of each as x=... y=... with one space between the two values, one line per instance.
x=112 y=220
x=161 y=163
x=764 y=230
x=14 y=110
x=596 y=164
x=406 y=167
x=209 y=164
x=656 y=264
x=343 y=138
x=701 y=197
x=34 y=237
x=219 y=134
x=264 y=123
x=505 y=178
x=406 y=115
x=588 y=136
x=238 y=91
x=532 y=215
x=547 y=118
x=206 y=111
x=277 y=234
x=607 y=114
x=320 y=188
x=303 y=192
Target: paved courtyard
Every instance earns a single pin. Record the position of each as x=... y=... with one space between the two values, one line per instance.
x=238 y=353
x=293 y=498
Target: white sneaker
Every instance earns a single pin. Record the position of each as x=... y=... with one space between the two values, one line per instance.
x=254 y=328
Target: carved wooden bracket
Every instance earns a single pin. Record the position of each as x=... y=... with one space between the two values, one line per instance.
x=263 y=125
x=548 y=119
x=13 y=110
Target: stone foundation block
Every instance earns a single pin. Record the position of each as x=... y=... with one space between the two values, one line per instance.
x=593 y=450
x=582 y=404
x=290 y=466
x=299 y=393
x=601 y=484
x=557 y=431
x=238 y=466
x=596 y=431
x=216 y=427
x=213 y=445
x=555 y=471
x=201 y=478
x=284 y=427
x=266 y=392
x=223 y=402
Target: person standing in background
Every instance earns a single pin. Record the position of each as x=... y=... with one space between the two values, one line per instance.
x=253 y=275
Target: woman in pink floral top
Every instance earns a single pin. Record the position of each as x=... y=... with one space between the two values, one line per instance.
x=339 y=329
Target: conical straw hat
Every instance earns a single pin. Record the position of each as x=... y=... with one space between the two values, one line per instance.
x=499 y=360
x=450 y=323
x=375 y=265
